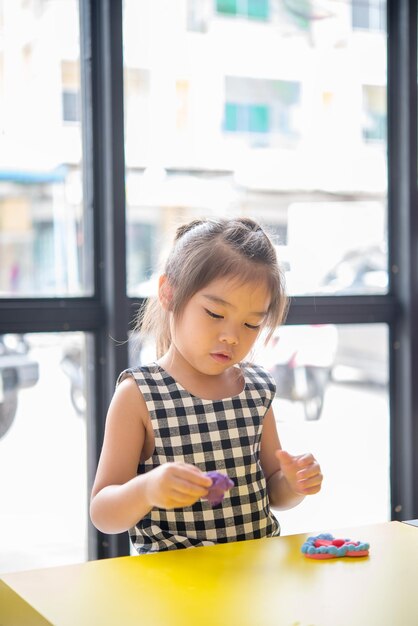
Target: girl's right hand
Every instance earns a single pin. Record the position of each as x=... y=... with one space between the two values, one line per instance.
x=175 y=485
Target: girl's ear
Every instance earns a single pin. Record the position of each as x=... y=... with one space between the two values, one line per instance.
x=165 y=293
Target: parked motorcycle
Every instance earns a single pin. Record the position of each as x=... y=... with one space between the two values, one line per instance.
x=17 y=371
x=300 y=358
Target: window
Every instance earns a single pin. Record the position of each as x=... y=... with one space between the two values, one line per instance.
x=45 y=241
x=246 y=119
x=70 y=106
x=253 y=9
x=46 y=260
x=332 y=385
x=369 y=14
x=261 y=106
x=43 y=438
x=343 y=217
x=70 y=77
x=374 y=113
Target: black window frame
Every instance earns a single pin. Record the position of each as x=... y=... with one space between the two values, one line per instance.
x=108 y=313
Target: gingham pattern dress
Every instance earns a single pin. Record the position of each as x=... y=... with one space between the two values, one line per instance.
x=222 y=435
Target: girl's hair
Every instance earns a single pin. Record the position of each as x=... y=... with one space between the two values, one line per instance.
x=205 y=250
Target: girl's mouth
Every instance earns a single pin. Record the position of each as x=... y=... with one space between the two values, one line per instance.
x=220 y=357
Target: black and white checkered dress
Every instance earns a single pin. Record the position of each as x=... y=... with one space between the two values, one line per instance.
x=222 y=435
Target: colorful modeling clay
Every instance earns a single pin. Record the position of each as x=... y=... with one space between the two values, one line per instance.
x=220 y=484
x=325 y=546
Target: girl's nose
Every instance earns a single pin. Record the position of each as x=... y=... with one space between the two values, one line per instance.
x=229 y=336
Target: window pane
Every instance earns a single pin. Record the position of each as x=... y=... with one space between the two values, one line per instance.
x=288 y=126
x=259 y=118
x=332 y=400
x=369 y=14
x=255 y=9
x=44 y=233
x=259 y=9
x=226 y=6
x=43 y=459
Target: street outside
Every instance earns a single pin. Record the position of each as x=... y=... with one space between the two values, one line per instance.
x=43 y=490
x=43 y=493
x=351 y=442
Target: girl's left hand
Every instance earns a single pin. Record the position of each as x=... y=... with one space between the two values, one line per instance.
x=302 y=472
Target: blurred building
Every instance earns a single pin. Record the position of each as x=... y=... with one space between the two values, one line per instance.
x=245 y=106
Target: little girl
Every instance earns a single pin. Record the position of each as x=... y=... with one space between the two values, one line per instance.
x=201 y=407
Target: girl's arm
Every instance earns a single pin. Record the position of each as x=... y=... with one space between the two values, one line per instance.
x=119 y=497
x=289 y=478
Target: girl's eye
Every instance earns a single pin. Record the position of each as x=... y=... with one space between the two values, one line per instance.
x=214 y=315
x=253 y=327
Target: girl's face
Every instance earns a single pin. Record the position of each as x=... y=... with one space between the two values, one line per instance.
x=220 y=323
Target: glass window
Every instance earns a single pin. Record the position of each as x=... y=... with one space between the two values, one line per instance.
x=287 y=126
x=332 y=399
x=44 y=234
x=226 y=6
x=374 y=110
x=71 y=106
x=258 y=9
x=246 y=119
x=70 y=78
x=369 y=14
x=253 y=9
x=261 y=106
x=258 y=118
x=43 y=443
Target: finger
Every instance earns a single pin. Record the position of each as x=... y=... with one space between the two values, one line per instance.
x=308 y=472
x=311 y=485
x=312 y=490
x=193 y=475
x=305 y=460
x=285 y=458
x=189 y=489
x=179 y=502
x=182 y=498
x=183 y=485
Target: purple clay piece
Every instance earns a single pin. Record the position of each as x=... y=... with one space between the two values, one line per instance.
x=220 y=484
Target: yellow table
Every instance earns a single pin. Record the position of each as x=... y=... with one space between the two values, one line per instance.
x=254 y=583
